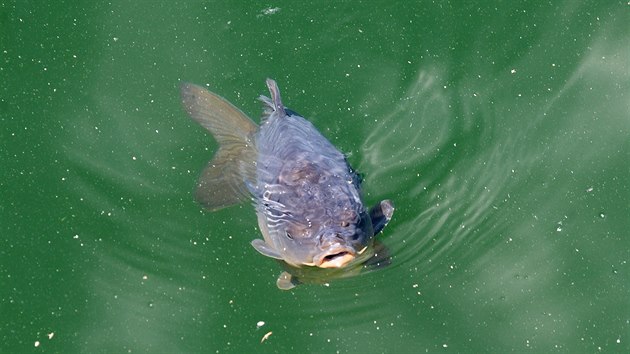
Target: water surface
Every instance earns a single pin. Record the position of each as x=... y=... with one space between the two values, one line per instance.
x=499 y=129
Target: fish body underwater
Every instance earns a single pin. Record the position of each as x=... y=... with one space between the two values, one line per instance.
x=306 y=196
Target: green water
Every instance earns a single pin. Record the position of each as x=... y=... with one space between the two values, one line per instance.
x=500 y=130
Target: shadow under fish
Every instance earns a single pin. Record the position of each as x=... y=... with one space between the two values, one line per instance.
x=306 y=195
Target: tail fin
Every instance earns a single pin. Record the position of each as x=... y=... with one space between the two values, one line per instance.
x=222 y=182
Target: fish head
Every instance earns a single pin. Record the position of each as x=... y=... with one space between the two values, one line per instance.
x=331 y=243
x=376 y=256
x=342 y=243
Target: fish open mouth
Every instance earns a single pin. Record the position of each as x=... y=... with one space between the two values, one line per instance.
x=336 y=260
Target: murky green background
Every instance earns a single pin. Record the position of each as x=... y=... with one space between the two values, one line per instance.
x=500 y=129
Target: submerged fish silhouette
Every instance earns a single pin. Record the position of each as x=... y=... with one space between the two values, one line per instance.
x=306 y=195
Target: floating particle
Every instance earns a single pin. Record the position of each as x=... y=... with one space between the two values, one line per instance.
x=264 y=338
x=270 y=10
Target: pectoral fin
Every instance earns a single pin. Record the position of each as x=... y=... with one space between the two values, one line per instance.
x=266 y=250
x=381 y=258
x=286 y=281
x=380 y=214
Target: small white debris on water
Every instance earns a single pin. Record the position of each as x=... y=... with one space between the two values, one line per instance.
x=513 y=71
x=51 y=335
x=590 y=189
x=264 y=338
x=270 y=10
x=444 y=345
x=145 y=277
x=36 y=343
x=260 y=324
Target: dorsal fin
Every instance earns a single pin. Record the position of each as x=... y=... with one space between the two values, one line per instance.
x=273 y=104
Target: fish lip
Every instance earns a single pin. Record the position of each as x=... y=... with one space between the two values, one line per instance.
x=336 y=257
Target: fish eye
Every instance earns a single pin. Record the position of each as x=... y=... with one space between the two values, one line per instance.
x=289 y=235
